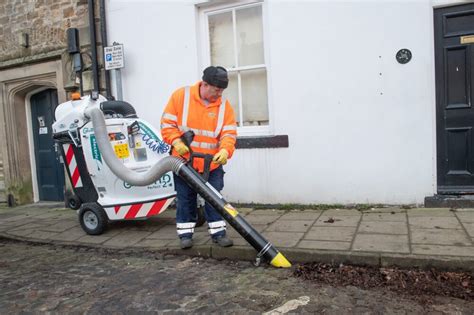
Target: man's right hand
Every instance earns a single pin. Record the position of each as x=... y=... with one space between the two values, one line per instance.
x=180 y=147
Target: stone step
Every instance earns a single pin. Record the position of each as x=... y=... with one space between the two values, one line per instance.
x=449 y=201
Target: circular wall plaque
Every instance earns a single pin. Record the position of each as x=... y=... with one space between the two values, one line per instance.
x=403 y=56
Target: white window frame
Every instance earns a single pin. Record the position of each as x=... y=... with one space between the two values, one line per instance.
x=205 y=56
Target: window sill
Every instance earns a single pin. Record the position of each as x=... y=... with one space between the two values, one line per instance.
x=262 y=142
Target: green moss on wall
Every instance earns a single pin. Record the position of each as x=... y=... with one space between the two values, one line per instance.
x=22 y=192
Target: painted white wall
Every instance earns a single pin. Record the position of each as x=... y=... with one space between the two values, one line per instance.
x=160 y=51
x=361 y=126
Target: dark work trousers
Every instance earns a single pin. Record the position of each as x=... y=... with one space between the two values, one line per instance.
x=186 y=214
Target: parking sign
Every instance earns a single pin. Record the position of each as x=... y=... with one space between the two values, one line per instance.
x=113 y=56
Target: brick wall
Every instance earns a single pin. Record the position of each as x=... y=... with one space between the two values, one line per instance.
x=45 y=22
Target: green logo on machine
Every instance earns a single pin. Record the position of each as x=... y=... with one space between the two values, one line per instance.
x=95 y=150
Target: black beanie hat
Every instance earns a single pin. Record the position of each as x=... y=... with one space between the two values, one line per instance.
x=216 y=76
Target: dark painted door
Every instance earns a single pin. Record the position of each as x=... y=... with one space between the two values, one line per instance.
x=50 y=173
x=454 y=98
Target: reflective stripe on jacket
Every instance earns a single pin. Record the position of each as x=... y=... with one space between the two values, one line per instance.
x=214 y=125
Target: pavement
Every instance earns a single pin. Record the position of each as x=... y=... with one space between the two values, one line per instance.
x=391 y=236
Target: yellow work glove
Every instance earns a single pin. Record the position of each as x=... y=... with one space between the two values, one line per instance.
x=221 y=157
x=180 y=147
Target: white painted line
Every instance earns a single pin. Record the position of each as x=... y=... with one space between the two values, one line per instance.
x=289 y=306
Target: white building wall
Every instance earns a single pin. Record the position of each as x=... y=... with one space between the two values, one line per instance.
x=361 y=126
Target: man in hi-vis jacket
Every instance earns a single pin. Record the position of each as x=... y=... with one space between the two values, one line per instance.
x=202 y=109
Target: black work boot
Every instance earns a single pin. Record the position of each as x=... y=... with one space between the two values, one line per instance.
x=223 y=241
x=186 y=243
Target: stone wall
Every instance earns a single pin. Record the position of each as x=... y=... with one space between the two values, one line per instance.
x=44 y=21
x=43 y=62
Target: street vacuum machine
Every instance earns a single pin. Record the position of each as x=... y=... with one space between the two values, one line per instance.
x=120 y=169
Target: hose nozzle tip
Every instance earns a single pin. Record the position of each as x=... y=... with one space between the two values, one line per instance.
x=280 y=261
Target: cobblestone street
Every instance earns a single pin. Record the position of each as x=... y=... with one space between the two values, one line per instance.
x=67 y=279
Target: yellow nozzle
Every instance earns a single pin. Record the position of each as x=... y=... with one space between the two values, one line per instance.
x=280 y=261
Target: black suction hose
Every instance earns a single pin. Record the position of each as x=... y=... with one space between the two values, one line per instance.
x=177 y=165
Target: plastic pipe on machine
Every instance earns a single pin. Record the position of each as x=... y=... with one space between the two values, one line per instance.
x=169 y=163
x=264 y=248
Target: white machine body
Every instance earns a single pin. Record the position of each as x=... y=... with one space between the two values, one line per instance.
x=135 y=142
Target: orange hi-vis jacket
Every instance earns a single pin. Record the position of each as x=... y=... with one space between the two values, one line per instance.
x=214 y=125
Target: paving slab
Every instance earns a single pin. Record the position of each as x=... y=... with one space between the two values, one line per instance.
x=127 y=239
x=42 y=235
x=381 y=243
x=238 y=239
x=443 y=250
x=290 y=226
x=328 y=220
x=15 y=224
x=430 y=212
x=48 y=215
x=465 y=216
x=392 y=217
x=378 y=236
x=440 y=237
x=283 y=239
x=384 y=210
x=152 y=243
x=332 y=233
x=72 y=234
x=168 y=214
x=93 y=239
x=21 y=233
x=142 y=225
x=60 y=226
x=167 y=232
x=258 y=227
x=301 y=215
x=341 y=212
x=469 y=228
x=15 y=218
x=383 y=227
x=269 y=212
x=434 y=223
x=310 y=244
x=28 y=226
x=261 y=219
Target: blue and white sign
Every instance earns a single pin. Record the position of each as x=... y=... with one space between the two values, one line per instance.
x=113 y=56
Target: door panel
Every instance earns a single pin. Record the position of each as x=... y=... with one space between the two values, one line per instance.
x=50 y=173
x=457 y=79
x=454 y=98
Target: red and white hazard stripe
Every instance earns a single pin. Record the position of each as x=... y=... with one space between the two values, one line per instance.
x=72 y=165
x=138 y=210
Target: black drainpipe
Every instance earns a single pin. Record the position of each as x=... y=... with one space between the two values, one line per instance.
x=95 y=73
x=103 y=35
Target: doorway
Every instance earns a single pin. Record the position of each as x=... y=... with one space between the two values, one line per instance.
x=454 y=57
x=49 y=171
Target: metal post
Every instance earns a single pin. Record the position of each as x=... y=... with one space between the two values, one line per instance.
x=118 y=81
x=95 y=71
x=103 y=34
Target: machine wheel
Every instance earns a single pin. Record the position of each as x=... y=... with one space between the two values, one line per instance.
x=201 y=219
x=74 y=202
x=93 y=218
